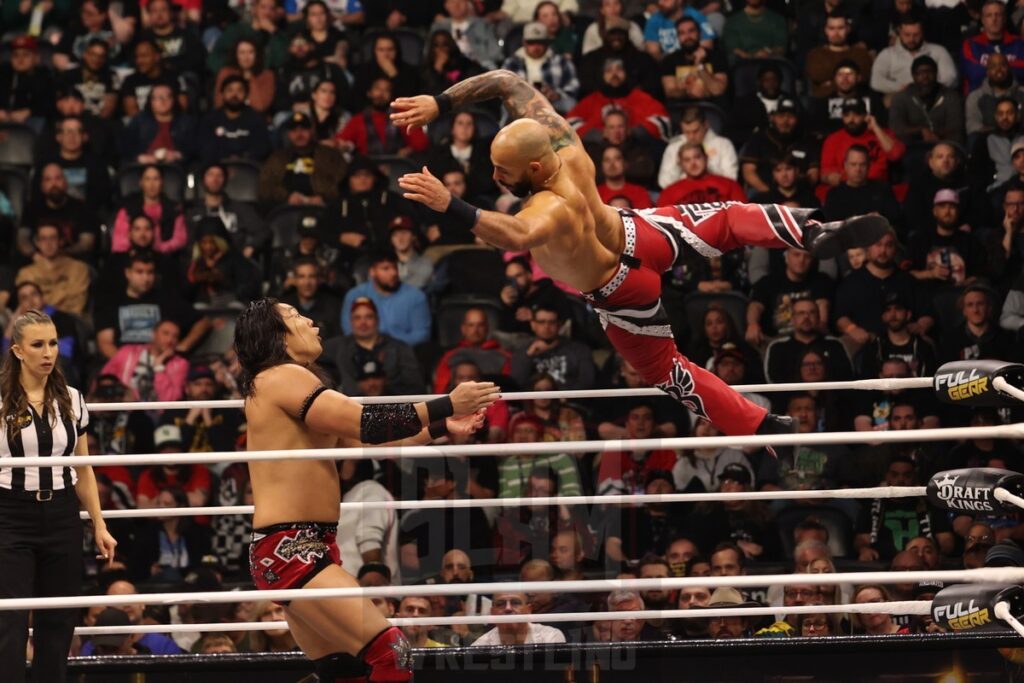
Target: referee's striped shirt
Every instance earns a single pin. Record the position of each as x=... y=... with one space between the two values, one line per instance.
x=46 y=438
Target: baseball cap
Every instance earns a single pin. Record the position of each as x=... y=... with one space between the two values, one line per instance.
x=1006 y=553
x=69 y=91
x=200 y=371
x=894 y=298
x=927 y=588
x=1018 y=145
x=298 y=120
x=363 y=301
x=535 y=32
x=525 y=418
x=111 y=616
x=735 y=472
x=946 y=196
x=854 y=104
x=167 y=435
x=847 y=64
x=368 y=368
x=25 y=43
x=729 y=350
x=308 y=226
x=663 y=475
x=401 y=223
x=787 y=106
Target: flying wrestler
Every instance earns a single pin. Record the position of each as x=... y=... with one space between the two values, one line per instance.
x=295 y=521
x=615 y=258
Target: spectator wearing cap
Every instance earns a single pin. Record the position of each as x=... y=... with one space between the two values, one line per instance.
x=945 y=169
x=788 y=187
x=161 y=132
x=694 y=72
x=625 y=472
x=514 y=470
x=640 y=67
x=26 y=87
x=217 y=274
x=660 y=35
x=194 y=480
x=403 y=310
x=149 y=72
x=694 y=128
x=414 y=269
x=610 y=18
x=991 y=159
x=365 y=343
x=108 y=644
x=859 y=128
x=567 y=361
x=474 y=37
x=248 y=231
x=782 y=137
x=999 y=84
x=848 y=82
x=613 y=173
x=1005 y=553
x=896 y=341
x=356 y=223
x=927 y=111
x=552 y=73
x=206 y=429
x=302 y=172
x=302 y=72
x=856 y=189
x=822 y=61
x=371 y=535
x=978 y=336
x=234 y=130
x=259 y=28
x=53 y=204
x=371 y=131
x=755 y=32
x=698 y=186
x=749 y=524
x=750 y=112
x=476 y=345
x=305 y=291
x=647 y=118
x=732 y=365
x=938 y=250
x=891 y=72
x=994 y=37
x=153 y=371
x=247 y=60
x=155 y=643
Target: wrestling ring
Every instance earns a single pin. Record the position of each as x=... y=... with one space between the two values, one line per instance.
x=981 y=607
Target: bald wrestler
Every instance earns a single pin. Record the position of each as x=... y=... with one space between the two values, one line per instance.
x=615 y=257
x=295 y=521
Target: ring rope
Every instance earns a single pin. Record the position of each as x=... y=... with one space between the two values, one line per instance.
x=908 y=607
x=1011 y=431
x=1004 y=575
x=611 y=499
x=891 y=384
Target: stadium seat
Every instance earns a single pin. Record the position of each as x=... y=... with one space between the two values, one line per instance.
x=410 y=43
x=14 y=184
x=451 y=310
x=744 y=75
x=284 y=222
x=734 y=303
x=174 y=180
x=243 y=183
x=487 y=126
x=513 y=40
x=17 y=146
x=478 y=271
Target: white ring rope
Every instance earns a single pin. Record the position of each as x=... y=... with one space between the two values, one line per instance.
x=1004 y=575
x=611 y=499
x=1011 y=431
x=1002 y=611
x=893 y=384
x=908 y=607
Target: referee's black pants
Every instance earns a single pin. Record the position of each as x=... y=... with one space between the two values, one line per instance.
x=40 y=556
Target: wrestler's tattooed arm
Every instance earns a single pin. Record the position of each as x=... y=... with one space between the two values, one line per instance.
x=521 y=100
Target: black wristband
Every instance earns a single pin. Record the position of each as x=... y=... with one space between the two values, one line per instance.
x=437 y=429
x=444 y=104
x=463 y=211
x=439 y=408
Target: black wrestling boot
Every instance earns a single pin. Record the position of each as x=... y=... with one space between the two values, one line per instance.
x=828 y=240
x=776 y=424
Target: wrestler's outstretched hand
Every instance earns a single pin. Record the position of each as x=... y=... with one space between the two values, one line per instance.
x=467 y=424
x=469 y=397
x=413 y=112
x=426 y=189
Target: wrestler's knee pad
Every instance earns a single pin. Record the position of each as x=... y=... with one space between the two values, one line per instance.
x=680 y=385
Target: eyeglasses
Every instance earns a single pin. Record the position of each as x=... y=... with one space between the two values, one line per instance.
x=511 y=602
x=802 y=593
x=985 y=538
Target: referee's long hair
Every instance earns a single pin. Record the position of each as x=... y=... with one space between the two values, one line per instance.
x=15 y=400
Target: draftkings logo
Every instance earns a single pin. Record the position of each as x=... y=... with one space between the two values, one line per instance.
x=962 y=385
x=959 y=497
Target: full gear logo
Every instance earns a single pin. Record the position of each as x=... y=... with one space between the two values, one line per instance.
x=301 y=547
x=680 y=386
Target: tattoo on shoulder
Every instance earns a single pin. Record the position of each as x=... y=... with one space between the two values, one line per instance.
x=526 y=102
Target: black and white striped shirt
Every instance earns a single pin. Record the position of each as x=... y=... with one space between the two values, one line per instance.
x=43 y=437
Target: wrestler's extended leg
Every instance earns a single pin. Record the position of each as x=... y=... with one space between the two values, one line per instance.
x=348 y=638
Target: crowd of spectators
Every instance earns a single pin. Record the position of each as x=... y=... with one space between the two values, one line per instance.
x=162 y=163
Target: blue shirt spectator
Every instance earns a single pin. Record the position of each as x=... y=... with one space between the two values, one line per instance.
x=403 y=310
x=661 y=27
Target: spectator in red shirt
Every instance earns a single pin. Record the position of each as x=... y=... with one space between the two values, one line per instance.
x=193 y=479
x=371 y=132
x=475 y=346
x=644 y=112
x=698 y=185
x=859 y=128
x=624 y=472
x=613 y=168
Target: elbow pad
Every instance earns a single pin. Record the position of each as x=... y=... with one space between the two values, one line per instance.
x=383 y=422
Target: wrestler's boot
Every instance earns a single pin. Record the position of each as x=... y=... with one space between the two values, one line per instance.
x=776 y=424
x=385 y=659
x=828 y=240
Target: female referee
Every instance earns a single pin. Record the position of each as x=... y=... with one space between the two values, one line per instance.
x=40 y=528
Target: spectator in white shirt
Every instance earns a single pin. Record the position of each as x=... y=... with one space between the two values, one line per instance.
x=371 y=535
x=695 y=128
x=890 y=73
x=520 y=633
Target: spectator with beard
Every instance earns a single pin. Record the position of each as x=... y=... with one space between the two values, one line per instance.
x=694 y=128
x=613 y=170
x=204 y=430
x=788 y=187
x=698 y=186
x=875 y=410
x=948 y=234
x=655 y=567
x=610 y=14
x=299 y=76
x=978 y=336
x=694 y=72
x=646 y=116
x=755 y=32
x=371 y=132
x=473 y=36
x=476 y=345
x=811 y=21
x=660 y=35
x=999 y=85
x=386 y=61
x=218 y=274
x=750 y=112
x=235 y=130
x=403 y=309
x=26 y=87
x=51 y=204
x=523 y=293
x=994 y=37
x=927 y=111
x=770 y=310
x=896 y=341
x=249 y=233
x=891 y=72
x=87 y=176
x=823 y=60
x=616 y=44
x=150 y=71
x=180 y=49
x=119 y=432
x=781 y=358
x=302 y=172
x=162 y=132
x=847 y=84
x=859 y=128
x=366 y=342
x=260 y=28
x=857 y=191
x=154 y=371
x=356 y=222
x=549 y=603
x=625 y=472
x=247 y=60
x=568 y=361
x=782 y=137
x=748 y=524
x=464 y=149
x=700 y=470
x=991 y=161
x=692 y=598
x=141 y=238
x=945 y=170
